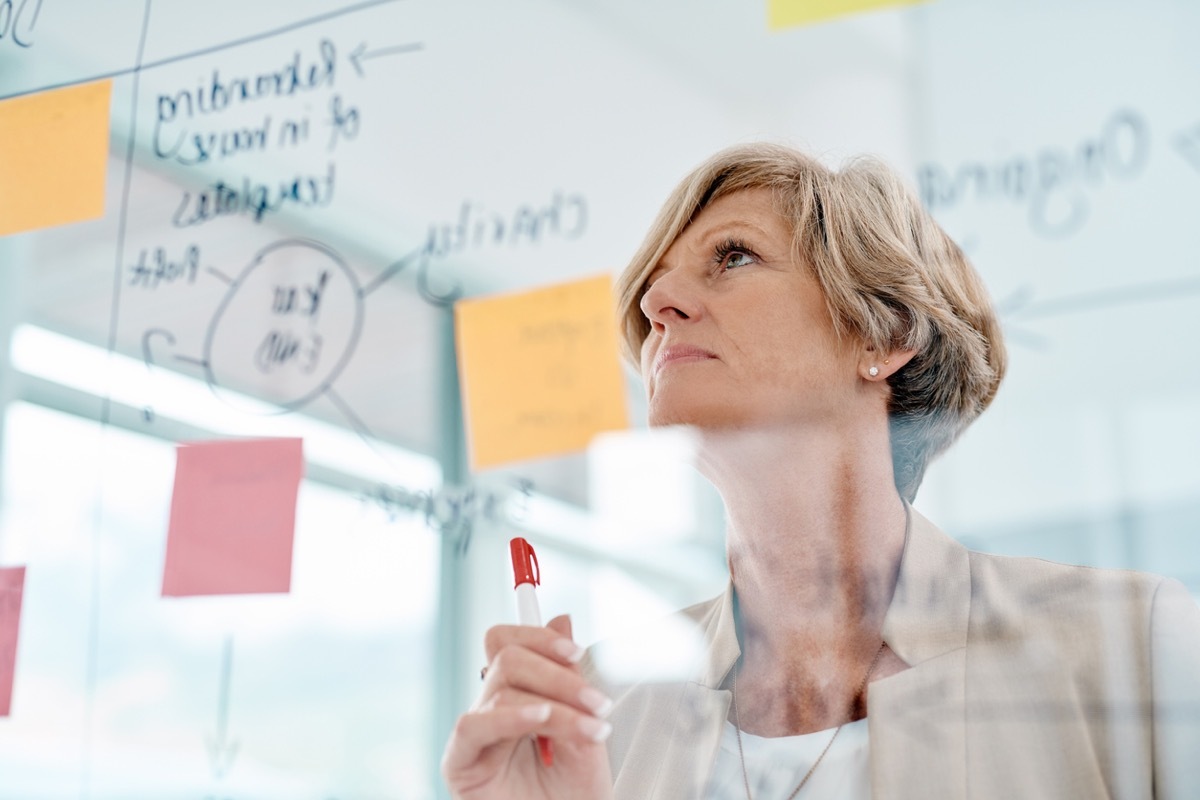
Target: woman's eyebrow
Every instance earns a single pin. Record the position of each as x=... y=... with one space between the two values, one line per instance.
x=733 y=226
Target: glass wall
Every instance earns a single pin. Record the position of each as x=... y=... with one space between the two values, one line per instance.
x=285 y=202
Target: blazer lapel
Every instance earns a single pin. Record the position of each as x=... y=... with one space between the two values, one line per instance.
x=916 y=718
x=690 y=752
x=703 y=708
x=670 y=751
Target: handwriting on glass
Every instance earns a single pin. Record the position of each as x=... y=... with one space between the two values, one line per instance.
x=453 y=511
x=272 y=106
x=158 y=267
x=1053 y=182
x=17 y=20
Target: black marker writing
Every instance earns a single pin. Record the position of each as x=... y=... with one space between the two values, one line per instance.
x=160 y=268
x=304 y=300
x=197 y=148
x=343 y=121
x=1051 y=182
x=217 y=94
x=565 y=215
x=17 y=19
x=452 y=511
x=1187 y=144
x=256 y=199
x=281 y=348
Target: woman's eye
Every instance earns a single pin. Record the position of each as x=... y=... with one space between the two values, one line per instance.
x=737 y=259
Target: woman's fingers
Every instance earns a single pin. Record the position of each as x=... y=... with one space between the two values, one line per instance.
x=562 y=626
x=514 y=715
x=547 y=641
x=519 y=669
x=478 y=730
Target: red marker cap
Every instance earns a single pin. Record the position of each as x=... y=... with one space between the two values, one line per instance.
x=525 y=563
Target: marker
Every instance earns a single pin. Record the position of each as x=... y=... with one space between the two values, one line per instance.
x=526 y=575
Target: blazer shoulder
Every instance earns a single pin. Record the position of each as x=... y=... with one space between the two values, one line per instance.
x=1041 y=579
x=1031 y=598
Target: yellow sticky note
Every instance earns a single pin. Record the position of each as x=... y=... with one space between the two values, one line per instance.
x=53 y=157
x=790 y=13
x=540 y=371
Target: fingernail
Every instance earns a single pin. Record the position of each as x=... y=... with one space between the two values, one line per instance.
x=595 y=729
x=536 y=713
x=596 y=702
x=568 y=650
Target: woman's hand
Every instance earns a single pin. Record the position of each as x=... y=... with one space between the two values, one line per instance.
x=533 y=687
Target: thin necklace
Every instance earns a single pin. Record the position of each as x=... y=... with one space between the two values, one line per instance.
x=738 y=728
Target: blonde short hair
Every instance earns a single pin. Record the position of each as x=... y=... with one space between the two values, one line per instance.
x=890 y=275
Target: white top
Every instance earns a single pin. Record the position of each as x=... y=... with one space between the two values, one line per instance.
x=776 y=766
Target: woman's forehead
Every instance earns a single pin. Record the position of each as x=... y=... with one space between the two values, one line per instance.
x=749 y=213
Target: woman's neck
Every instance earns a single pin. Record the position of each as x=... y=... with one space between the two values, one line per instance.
x=815 y=535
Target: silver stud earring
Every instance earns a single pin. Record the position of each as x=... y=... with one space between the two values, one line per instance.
x=873 y=371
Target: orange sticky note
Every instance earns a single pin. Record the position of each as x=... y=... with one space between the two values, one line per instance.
x=53 y=157
x=790 y=13
x=540 y=371
x=12 y=587
x=233 y=517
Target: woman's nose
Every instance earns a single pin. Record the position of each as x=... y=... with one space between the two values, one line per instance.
x=668 y=300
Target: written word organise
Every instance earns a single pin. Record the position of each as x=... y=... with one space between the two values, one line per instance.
x=1053 y=182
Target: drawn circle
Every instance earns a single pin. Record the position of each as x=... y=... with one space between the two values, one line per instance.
x=287 y=327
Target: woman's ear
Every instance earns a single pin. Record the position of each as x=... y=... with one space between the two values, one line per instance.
x=873 y=368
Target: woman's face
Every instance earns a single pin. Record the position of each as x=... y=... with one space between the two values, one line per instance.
x=740 y=334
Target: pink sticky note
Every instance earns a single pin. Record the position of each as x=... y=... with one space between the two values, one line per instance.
x=233 y=517
x=12 y=586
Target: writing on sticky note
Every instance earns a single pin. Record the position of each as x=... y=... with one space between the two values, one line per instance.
x=12 y=588
x=233 y=517
x=790 y=13
x=540 y=371
x=55 y=156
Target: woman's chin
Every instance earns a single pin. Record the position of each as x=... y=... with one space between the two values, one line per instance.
x=706 y=416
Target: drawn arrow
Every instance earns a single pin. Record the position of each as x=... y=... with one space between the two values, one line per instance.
x=222 y=751
x=1022 y=305
x=1011 y=307
x=1107 y=298
x=361 y=53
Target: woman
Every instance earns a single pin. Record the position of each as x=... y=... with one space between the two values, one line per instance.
x=827 y=339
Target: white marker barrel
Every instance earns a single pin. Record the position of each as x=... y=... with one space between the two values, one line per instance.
x=527 y=605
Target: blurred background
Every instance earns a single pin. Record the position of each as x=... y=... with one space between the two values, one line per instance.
x=444 y=150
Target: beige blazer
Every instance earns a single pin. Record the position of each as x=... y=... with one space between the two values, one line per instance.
x=1028 y=679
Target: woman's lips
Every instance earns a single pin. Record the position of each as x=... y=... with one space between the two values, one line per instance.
x=680 y=352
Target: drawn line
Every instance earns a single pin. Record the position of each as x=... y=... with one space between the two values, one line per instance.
x=200 y=362
x=394 y=268
x=360 y=427
x=223 y=689
x=1026 y=338
x=1164 y=290
x=394 y=50
x=93 y=644
x=147 y=355
x=355 y=421
x=304 y=23
x=36 y=10
x=216 y=273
